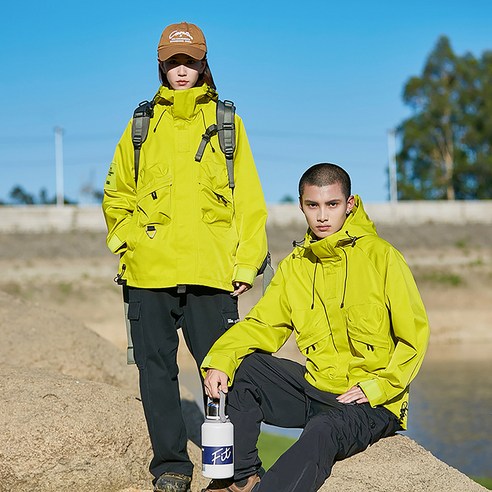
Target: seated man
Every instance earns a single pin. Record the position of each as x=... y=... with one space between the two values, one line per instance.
x=352 y=303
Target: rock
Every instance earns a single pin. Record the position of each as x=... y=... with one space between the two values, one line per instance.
x=33 y=336
x=69 y=414
x=61 y=433
x=70 y=419
x=397 y=464
x=64 y=433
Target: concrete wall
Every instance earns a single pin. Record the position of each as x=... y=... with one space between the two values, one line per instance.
x=410 y=212
x=90 y=218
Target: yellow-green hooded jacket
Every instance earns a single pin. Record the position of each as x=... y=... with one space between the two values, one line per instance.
x=354 y=308
x=183 y=224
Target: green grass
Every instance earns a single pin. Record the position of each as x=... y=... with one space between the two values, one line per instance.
x=443 y=278
x=271 y=446
x=484 y=482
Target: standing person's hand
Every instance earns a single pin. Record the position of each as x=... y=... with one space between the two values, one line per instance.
x=215 y=380
x=240 y=288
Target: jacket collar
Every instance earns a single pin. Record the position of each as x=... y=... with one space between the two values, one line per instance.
x=184 y=104
x=356 y=225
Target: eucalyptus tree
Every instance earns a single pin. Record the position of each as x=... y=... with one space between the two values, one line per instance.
x=445 y=143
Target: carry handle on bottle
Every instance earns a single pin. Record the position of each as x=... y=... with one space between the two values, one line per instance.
x=211 y=403
x=222 y=415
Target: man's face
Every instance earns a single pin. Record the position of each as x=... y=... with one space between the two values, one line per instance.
x=182 y=71
x=325 y=208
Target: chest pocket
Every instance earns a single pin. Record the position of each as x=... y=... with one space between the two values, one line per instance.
x=154 y=202
x=368 y=329
x=311 y=329
x=216 y=201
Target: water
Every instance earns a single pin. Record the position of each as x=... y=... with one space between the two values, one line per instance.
x=450 y=411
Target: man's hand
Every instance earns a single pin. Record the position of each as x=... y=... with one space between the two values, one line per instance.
x=215 y=380
x=239 y=288
x=352 y=396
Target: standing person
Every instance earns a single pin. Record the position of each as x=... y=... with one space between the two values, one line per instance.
x=352 y=303
x=189 y=243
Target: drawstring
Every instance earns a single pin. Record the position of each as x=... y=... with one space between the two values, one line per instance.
x=345 y=279
x=314 y=282
x=353 y=239
x=159 y=120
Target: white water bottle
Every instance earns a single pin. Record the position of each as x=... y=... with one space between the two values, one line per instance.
x=217 y=441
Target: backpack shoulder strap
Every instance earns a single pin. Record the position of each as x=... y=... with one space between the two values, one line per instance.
x=226 y=131
x=140 y=128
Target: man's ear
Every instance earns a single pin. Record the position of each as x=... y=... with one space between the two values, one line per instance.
x=350 y=204
x=300 y=204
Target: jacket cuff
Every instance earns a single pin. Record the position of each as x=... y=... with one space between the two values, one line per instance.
x=115 y=244
x=220 y=362
x=372 y=389
x=243 y=273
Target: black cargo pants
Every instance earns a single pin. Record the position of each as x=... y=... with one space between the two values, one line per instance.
x=273 y=390
x=155 y=315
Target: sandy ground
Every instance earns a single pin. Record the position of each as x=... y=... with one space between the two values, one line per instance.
x=73 y=274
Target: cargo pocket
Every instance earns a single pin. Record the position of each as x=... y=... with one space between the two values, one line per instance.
x=314 y=329
x=229 y=311
x=216 y=204
x=134 y=329
x=310 y=344
x=367 y=335
x=154 y=203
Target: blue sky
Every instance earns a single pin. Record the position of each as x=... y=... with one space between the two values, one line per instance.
x=313 y=81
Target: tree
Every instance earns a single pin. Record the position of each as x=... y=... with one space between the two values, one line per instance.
x=445 y=144
x=20 y=196
x=287 y=199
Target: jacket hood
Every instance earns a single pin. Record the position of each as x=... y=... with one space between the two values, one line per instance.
x=184 y=103
x=357 y=225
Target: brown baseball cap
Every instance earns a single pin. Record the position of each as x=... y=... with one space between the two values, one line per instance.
x=182 y=38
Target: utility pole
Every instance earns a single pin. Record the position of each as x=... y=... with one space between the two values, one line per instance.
x=59 y=166
x=393 y=188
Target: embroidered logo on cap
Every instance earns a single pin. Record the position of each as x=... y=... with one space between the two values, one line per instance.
x=180 y=37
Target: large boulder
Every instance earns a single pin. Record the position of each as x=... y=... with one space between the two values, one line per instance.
x=69 y=412
x=397 y=464
x=37 y=337
x=62 y=433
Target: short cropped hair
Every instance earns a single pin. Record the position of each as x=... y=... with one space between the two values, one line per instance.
x=324 y=174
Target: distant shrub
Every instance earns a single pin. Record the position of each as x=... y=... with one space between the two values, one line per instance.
x=444 y=278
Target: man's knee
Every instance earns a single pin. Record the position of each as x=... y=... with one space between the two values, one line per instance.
x=338 y=433
x=326 y=427
x=250 y=368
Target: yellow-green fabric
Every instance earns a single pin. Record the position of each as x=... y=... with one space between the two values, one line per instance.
x=354 y=308
x=183 y=224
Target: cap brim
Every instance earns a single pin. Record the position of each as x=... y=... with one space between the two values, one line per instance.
x=166 y=52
